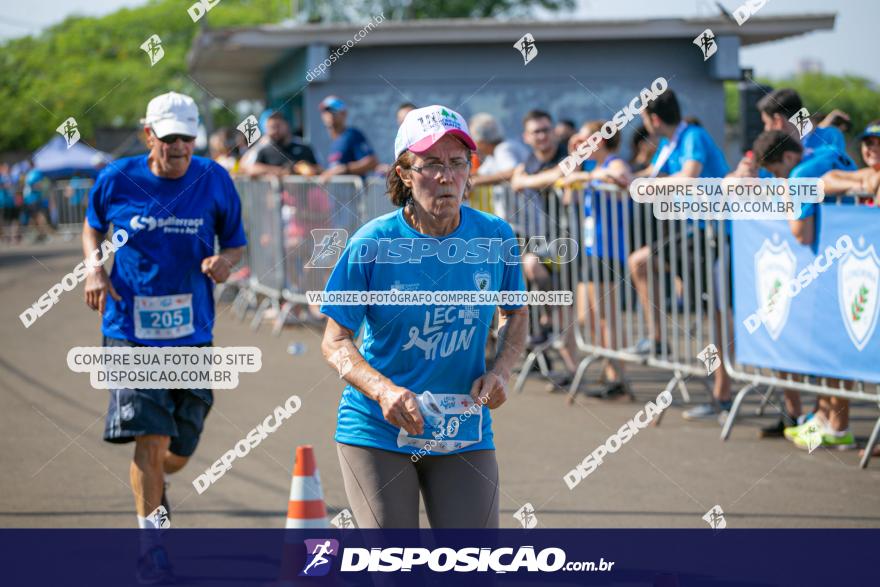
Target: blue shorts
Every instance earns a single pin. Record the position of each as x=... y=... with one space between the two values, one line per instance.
x=178 y=413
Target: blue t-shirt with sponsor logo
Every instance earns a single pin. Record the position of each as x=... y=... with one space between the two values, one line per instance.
x=172 y=225
x=437 y=348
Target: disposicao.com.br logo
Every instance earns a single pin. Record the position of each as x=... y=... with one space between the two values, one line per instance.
x=443 y=559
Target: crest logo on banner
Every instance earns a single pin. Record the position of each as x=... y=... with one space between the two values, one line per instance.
x=774 y=268
x=858 y=282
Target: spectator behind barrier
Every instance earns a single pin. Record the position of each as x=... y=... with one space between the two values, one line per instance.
x=499 y=157
x=564 y=130
x=780 y=105
x=532 y=216
x=865 y=181
x=403 y=110
x=641 y=148
x=221 y=147
x=601 y=235
x=350 y=153
x=782 y=155
x=684 y=150
x=776 y=108
x=541 y=169
x=282 y=154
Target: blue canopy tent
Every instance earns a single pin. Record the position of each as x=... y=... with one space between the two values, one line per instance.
x=55 y=160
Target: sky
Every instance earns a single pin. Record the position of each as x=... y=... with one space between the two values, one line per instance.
x=844 y=50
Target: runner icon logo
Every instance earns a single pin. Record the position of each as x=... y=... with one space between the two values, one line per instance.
x=159 y=517
x=321 y=553
x=153 y=48
x=801 y=119
x=715 y=518
x=706 y=42
x=328 y=245
x=711 y=358
x=526 y=46
x=526 y=516
x=70 y=131
x=250 y=128
x=343 y=520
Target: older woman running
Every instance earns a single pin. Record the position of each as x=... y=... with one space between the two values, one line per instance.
x=415 y=415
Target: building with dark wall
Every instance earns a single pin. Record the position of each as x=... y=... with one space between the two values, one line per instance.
x=583 y=70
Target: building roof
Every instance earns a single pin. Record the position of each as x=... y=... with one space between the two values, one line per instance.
x=247 y=52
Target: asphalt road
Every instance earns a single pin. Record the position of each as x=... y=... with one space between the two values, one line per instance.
x=57 y=472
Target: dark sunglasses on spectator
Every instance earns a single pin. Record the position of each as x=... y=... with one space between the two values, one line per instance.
x=171 y=139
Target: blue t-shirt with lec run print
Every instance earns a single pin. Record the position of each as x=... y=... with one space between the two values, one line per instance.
x=436 y=348
x=694 y=144
x=171 y=225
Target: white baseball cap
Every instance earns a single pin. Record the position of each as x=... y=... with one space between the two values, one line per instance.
x=172 y=114
x=423 y=127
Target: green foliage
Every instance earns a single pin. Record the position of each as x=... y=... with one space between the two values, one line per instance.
x=94 y=70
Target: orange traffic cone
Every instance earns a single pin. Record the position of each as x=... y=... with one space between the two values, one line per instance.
x=306 y=509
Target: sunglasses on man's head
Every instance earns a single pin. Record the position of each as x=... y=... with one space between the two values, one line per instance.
x=171 y=139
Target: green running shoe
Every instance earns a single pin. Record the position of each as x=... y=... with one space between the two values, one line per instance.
x=793 y=432
x=811 y=440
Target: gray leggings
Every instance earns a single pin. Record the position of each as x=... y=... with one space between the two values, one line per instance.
x=459 y=490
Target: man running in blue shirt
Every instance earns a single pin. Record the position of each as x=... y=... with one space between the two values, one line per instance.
x=160 y=293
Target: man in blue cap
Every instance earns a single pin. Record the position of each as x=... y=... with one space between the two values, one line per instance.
x=350 y=153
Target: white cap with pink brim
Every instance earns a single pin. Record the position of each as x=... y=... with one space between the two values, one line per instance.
x=423 y=127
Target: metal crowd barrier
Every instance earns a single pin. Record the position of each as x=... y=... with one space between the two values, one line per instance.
x=279 y=219
x=64 y=203
x=771 y=381
x=688 y=306
x=608 y=228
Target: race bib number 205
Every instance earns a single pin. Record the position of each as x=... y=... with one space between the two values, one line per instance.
x=163 y=317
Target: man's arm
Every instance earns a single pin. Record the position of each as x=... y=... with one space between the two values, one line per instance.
x=219 y=267
x=804 y=229
x=691 y=168
x=841 y=182
x=360 y=167
x=97 y=282
x=491 y=178
x=523 y=181
x=257 y=168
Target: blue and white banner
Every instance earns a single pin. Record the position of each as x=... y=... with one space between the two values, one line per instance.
x=809 y=309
